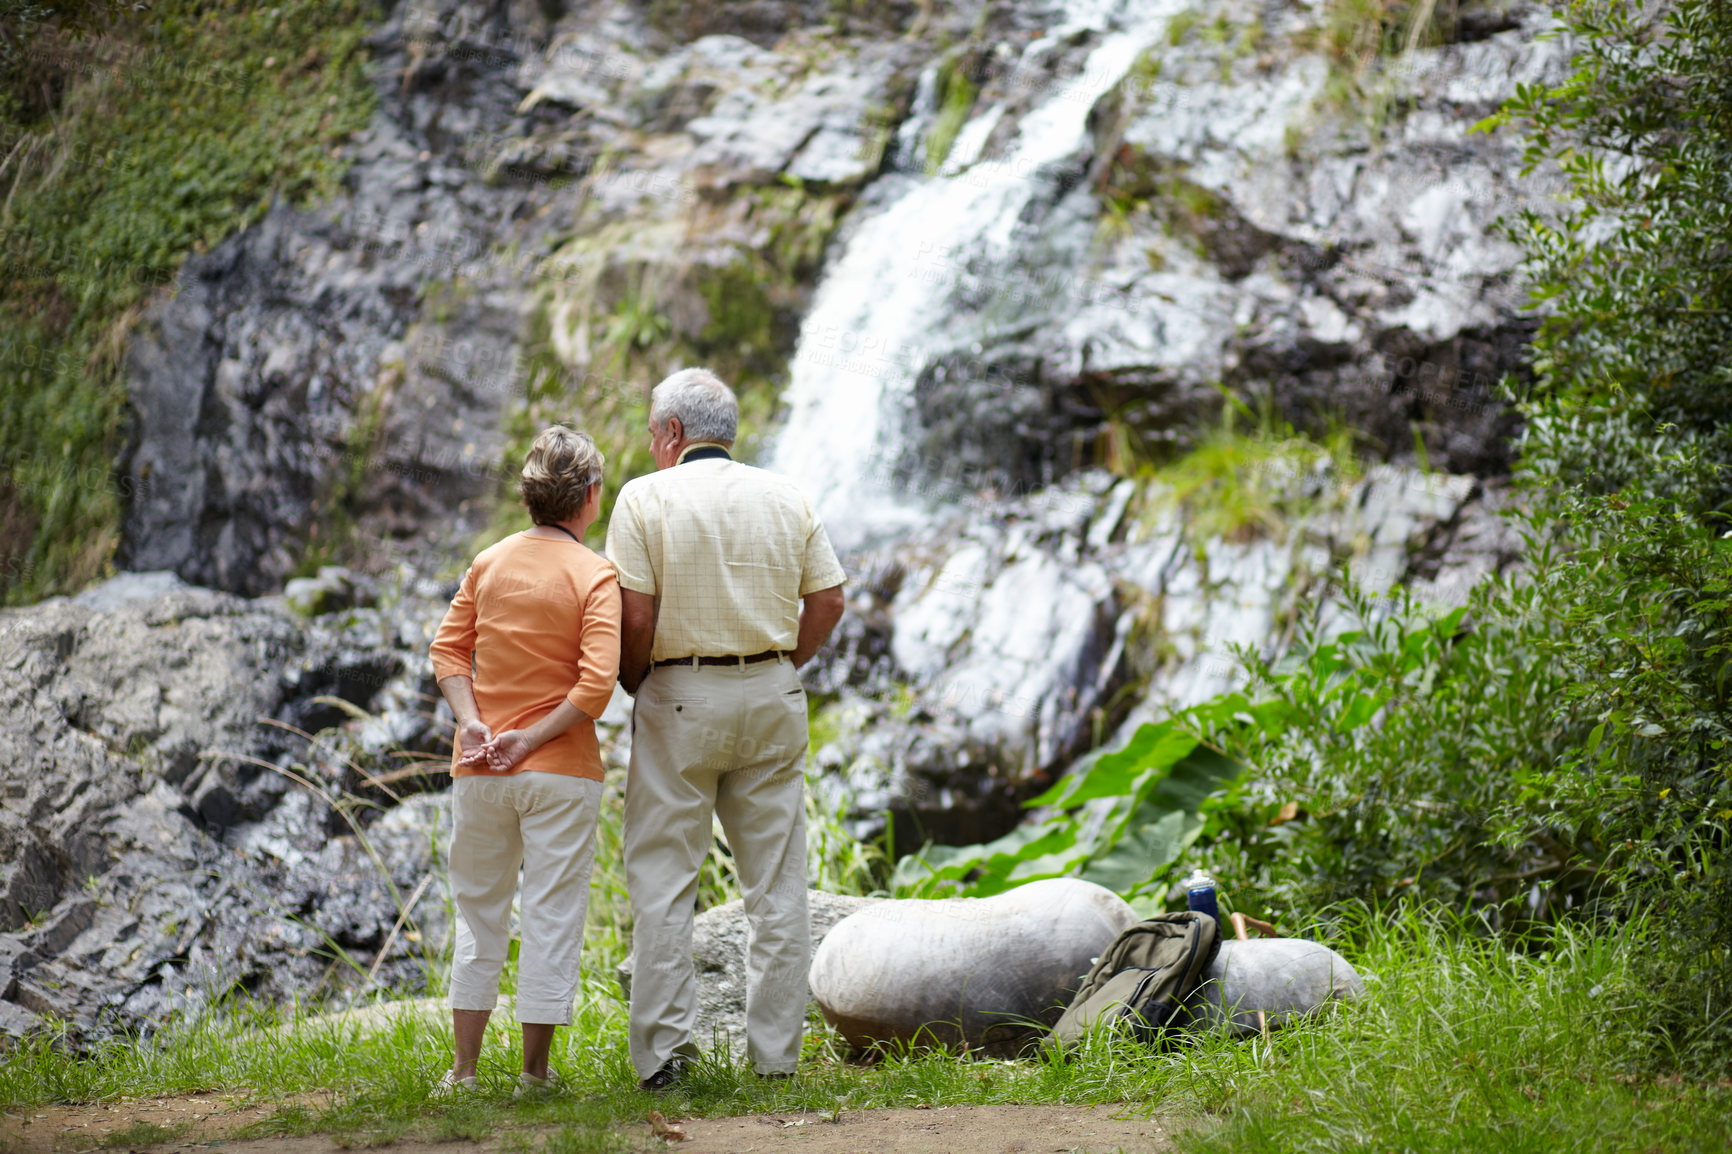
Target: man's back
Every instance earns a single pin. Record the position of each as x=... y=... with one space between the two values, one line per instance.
x=728 y=549
x=729 y=585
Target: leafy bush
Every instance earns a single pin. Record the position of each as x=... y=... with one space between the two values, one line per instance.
x=1631 y=437
x=1120 y=824
x=1633 y=278
x=1384 y=754
x=1640 y=633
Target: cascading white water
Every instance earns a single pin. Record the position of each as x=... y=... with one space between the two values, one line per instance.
x=883 y=299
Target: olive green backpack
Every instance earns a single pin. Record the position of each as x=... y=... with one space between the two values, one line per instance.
x=1142 y=978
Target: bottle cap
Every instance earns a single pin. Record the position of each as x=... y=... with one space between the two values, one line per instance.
x=1198 y=880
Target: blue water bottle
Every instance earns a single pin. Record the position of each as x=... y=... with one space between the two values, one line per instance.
x=1200 y=894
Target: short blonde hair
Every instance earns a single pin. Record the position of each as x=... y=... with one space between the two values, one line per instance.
x=557 y=474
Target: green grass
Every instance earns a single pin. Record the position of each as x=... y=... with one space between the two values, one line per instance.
x=1460 y=1043
x=1240 y=485
x=199 y=115
x=1465 y=1045
x=142 y=1134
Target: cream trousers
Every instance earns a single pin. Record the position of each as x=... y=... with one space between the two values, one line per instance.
x=729 y=741
x=545 y=824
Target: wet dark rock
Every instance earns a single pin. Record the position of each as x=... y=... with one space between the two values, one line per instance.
x=277 y=376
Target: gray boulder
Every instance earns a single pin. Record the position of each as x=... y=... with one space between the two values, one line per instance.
x=1286 y=978
x=719 y=940
x=980 y=972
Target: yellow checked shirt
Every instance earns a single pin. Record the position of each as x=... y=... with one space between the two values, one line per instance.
x=729 y=550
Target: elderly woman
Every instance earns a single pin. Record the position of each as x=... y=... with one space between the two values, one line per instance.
x=527 y=657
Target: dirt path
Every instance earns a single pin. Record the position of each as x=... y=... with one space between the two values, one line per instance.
x=204 y=1121
x=130 y=1124
x=945 y=1130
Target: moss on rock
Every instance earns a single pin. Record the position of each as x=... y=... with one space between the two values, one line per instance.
x=627 y=301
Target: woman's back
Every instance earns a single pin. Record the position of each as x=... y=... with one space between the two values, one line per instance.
x=541 y=618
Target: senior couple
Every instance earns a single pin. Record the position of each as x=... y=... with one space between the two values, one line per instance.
x=718 y=584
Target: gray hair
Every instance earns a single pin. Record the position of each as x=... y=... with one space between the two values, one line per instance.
x=705 y=406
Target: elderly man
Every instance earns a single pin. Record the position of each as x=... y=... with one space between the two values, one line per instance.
x=729 y=584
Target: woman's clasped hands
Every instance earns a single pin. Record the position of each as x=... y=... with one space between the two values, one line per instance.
x=484 y=751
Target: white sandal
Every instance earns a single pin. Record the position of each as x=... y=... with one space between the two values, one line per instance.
x=529 y=1086
x=450 y=1086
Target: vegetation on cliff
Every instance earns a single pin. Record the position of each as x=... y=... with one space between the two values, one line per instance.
x=124 y=148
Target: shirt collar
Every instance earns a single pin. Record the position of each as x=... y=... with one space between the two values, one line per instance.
x=703 y=451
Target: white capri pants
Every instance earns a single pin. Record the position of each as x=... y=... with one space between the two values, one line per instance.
x=545 y=823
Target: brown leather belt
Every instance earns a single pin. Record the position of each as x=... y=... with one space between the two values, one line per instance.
x=766 y=655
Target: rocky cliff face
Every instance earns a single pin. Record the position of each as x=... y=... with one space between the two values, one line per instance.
x=1135 y=212
x=973 y=266
x=531 y=187
x=538 y=192
x=989 y=653
x=167 y=835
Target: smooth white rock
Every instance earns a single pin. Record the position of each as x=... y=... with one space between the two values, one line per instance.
x=975 y=970
x=1286 y=978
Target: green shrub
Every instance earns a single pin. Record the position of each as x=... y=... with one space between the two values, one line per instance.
x=1629 y=449
x=1633 y=279
x=1154 y=790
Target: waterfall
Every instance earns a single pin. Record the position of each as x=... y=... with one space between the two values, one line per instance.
x=883 y=298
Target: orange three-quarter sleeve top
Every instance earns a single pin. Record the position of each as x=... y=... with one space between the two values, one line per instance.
x=535 y=622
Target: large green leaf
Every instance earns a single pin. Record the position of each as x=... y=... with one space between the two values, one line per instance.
x=1162 y=777
x=1152 y=747
x=1198 y=774
x=1142 y=854
x=939 y=863
x=1359 y=711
